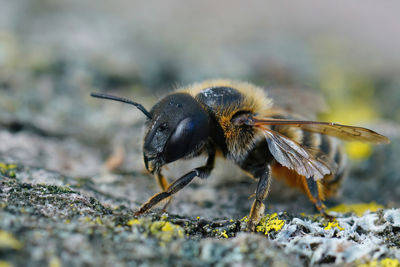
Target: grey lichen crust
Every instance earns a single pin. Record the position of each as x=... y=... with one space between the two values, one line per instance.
x=67 y=221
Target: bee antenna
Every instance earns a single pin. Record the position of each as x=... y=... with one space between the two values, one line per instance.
x=124 y=100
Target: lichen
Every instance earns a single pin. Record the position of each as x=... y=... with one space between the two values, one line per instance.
x=8 y=241
x=162 y=230
x=358 y=150
x=388 y=262
x=358 y=209
x=332 y=225
x=133 y=222
x=270 y=223
x=224 y=235
x=5 y=264
x=8 y=170
x=55 y=262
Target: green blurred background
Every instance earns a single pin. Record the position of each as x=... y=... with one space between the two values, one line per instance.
x=53 y=53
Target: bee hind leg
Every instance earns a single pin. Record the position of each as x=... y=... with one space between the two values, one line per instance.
x=257 y=209
x=314 y=191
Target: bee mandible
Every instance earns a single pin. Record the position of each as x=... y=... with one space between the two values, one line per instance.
x=238 y=121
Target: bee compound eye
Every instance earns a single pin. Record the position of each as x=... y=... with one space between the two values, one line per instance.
x=188 y=134
x=183 y=133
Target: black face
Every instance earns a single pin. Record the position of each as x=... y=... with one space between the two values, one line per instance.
x=178 y=128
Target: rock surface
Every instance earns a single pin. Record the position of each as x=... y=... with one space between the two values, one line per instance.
x=50 y=218
x=71 y=171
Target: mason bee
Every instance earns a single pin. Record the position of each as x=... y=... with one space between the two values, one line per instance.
x=238 y=121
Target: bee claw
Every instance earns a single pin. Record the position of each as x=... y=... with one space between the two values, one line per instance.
x=330 y=218
x=141 y=211
x=252 y=196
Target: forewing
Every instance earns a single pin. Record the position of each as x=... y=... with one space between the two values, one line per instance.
x=291 y=155
x=345 y=132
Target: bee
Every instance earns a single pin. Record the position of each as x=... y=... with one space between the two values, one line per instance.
x=237 y=120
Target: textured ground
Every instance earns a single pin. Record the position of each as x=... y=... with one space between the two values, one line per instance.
x=71 y=171
x=50 y=218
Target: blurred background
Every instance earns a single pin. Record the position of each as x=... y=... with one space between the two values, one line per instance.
x=54 y=53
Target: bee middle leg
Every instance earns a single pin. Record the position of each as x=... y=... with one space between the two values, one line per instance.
x=257 y=209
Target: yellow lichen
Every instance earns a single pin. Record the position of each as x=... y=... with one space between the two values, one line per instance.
x=6 y=167
x=54 y=262
x=244 y=219
x=86 y=219
x=165 y=231
x=133 y=222
x=270 y=223
x=8 y=241
x=5 y=264
x=224 y=235
x=162 y=230
x=358 y=150
x=334 y=224
x=358 y=209
x=388 y=262
x=167 y=227
x=98 y=220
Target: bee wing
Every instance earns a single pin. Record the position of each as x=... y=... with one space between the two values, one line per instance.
x=295 y=157
x=345 y=132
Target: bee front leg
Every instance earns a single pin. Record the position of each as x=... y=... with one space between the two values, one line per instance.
x=172 y=189
x=257 y=209
x=202 y=172
x=163 y=183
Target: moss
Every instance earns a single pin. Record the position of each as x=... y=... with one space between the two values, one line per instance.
x=54 y=189
x=358 y=209
x=270 y=223
x=8 y=241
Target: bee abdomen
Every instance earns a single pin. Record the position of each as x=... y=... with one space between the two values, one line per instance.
x=328 y=148
x=333 y=182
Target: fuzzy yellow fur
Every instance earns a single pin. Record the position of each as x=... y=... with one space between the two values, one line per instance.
x=255 y=98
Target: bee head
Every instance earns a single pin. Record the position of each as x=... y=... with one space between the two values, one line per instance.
x=178 y=128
